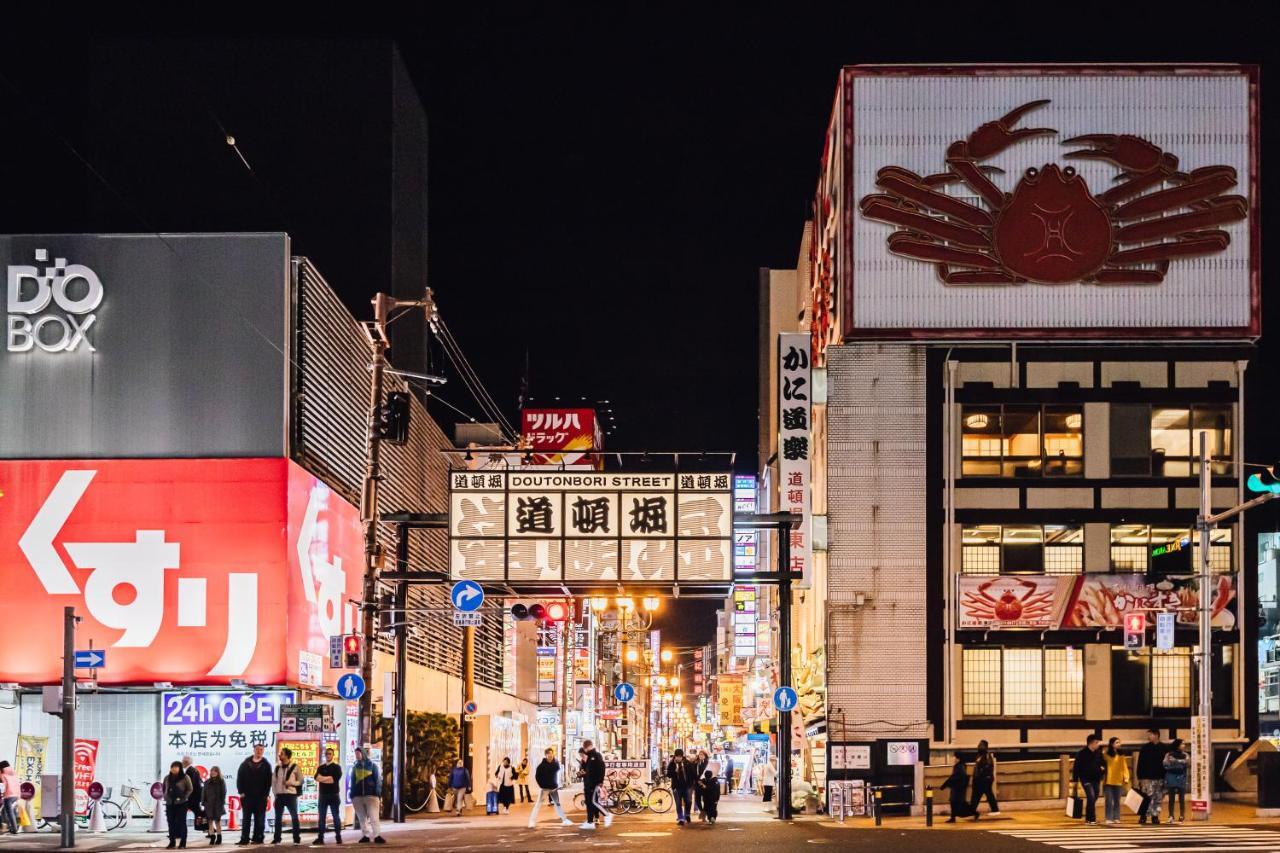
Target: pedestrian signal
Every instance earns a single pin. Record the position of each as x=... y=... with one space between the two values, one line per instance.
x=351 y=651
x=1135 y=630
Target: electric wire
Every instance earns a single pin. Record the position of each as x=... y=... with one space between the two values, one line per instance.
x=472 y=379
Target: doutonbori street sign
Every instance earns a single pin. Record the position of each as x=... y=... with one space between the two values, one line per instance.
x=584 y=529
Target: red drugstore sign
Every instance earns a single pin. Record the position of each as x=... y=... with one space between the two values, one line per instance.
x=562 y=435
x=190 y=571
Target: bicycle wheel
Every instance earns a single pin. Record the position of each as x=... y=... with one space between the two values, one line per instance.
x=579 y=801
x=660 y=801
x=112 y=814
x=622 y=802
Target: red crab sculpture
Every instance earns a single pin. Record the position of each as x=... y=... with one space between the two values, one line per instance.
x=1051 y=229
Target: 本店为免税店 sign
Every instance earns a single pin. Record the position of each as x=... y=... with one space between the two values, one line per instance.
x=590 y=527
x=795 y=447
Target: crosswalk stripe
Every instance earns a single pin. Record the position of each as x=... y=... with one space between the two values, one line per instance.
x=1106 y=839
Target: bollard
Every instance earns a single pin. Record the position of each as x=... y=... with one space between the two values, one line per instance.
x=876 y=805
x=96 y=821
x=433 y=804
x=928 y=806
x=159 y=821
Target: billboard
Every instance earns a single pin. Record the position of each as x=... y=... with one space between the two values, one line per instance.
x=586 y=528
x=1049 y=602
x=188 y=571
x=110 y=340
x=1040 y=201
x=795 y=445
x=560 y=436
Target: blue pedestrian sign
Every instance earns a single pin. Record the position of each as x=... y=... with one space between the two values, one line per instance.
x=624 y=692
x=90 y=658
x=351 y=686
x=784 y=698
x=467 y=596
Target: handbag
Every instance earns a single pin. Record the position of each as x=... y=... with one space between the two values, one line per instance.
x=1075 y=804
x=1133 y=800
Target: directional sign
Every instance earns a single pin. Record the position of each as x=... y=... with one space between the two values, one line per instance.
x=784 y=698
x=463 y=619
x=624 y=692
x=351 y=686
x=335 y=652
x=467 y=596
x=471 y=707
x=90 y=658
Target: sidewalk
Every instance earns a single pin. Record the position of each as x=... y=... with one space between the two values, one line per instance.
x=1225 y=813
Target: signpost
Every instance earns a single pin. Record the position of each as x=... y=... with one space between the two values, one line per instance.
x=351 y=686
x=467 y=596
x=90 y=658
x=471 y=707
x=784 y=698
x=624 y=692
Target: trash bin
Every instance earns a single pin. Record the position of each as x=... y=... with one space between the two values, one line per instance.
x=1269 y=780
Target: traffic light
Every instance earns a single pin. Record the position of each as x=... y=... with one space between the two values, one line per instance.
x=393 y=418
x=351 y=651
x=555 y=611
x=1265 y=481
x=1135 y=631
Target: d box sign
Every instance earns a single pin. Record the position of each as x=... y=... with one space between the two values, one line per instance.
x=50 y=308
x=189 y=571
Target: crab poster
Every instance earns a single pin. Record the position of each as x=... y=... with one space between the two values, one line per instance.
x=1119 y=201
x=1043 y=602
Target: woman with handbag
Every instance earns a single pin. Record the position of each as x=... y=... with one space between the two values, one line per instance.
x=505 y=777
x=214 y=800
x=1115 y=779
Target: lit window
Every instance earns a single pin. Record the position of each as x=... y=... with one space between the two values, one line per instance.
x=981 y=682
x=1171 y=678
x=1132 y=544
x=1031 y=682
x=1164 y=441
x=993 y=549
x=1022 y=441
x=1023 y=682
x=1063 y=682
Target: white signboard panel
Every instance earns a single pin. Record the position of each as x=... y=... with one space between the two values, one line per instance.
x=580 y=527
x=1103 y=202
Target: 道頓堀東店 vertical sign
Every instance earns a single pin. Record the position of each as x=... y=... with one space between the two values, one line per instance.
x=795 y=408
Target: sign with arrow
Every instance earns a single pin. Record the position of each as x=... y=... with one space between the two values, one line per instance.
x=467 y=596
x=90 y=658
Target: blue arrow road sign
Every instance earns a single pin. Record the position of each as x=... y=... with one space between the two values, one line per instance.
x=90 y=658
x=784 y=698
x=351 y=686
x=467 y=596
x=624 y=692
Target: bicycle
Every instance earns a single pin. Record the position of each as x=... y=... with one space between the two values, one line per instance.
x=132 y=799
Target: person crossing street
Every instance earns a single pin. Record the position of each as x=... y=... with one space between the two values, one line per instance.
x=1151 y=777
x=682 y=774
x=547 y=776
x=592 y=773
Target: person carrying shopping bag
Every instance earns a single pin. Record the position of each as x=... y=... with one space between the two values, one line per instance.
x=459 y=785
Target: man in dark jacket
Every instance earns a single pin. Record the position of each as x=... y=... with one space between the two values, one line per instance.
x=253 y=781
x=684 y=776
x=592 y=773
x=1151 y=776
x=1088 y=770
x=195 y=803
x=547 y=775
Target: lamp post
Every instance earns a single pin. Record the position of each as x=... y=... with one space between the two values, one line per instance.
x=627 y=619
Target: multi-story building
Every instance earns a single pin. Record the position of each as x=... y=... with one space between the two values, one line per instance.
x=1015 y=355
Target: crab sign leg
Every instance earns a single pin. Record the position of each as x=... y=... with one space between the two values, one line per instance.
x=950 y=276
x=972 y=175
x=1109 y=275
x=1197 y=189
x=1131 y=187
x=886 y=208
x=914 y=191
x=1195 y=243
x=1169 y=226
x=922 y=248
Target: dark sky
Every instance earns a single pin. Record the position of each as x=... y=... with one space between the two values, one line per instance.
x=605 y=179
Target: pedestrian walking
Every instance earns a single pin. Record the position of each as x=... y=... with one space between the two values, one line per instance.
x=213 y=803
x=177 y=791
x=768 y=778
x=1151 y=777
x=286 y=784
x=329 y=800
x=710 y=796
x=984 y=780
x=1087 y=772
x=592 y=773
x=459 y=785
x=366 y=797
x=547 y=776
x=958 y=786
x=1115 y=780
x=522 y=781
x=701 y=763
x=197 y=792
x=728 y=774
x=10 y=791
x=1176 y=762
x=505 y=779
x=683 y=776
x=253 y=782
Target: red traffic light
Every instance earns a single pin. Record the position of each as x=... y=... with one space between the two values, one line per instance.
x=537 y=612
x=1135 y=623
x=351 y=644
x=557 y=612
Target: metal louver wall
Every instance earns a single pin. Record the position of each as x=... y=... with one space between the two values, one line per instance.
x=876 y=527
x=330 y=406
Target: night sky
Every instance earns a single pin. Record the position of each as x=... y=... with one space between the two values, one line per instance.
x=605 y=179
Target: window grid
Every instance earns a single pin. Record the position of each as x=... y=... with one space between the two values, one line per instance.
x=1063 y=559
x=1023 y=680
x=1063 y=683
x=981 y=683
x=1171 y=678
x=980 y=559
x=984 y=559
x=1050 y=445
x=1129 y=558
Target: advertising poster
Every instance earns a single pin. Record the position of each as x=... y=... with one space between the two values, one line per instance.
x=731 y=690
x=308 y=754
x=84 y=754
x=219 y=728
x=30 y=763
x=1041 y=602
x=560 y=436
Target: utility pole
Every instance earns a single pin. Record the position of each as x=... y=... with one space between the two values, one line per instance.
x=376 y=332
x=468 y=694
x=67 y=804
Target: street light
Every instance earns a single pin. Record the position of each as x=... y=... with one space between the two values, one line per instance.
x=666 y=656
x=625 y=603
x=632 y=656
x=651 y=603
x=599 y=603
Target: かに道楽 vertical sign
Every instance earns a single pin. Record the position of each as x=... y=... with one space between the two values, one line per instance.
x=795 y=409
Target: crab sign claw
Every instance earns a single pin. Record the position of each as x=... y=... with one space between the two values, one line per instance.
x=995 y=136
x=1131 y=153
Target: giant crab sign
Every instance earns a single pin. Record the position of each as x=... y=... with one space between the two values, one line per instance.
x=1051 y=229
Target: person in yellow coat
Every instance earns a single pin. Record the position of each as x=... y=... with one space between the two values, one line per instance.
x=1115 y=780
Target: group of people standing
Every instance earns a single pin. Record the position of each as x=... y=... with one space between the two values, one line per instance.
x=692 y=782
x=1161 y=769
x=185 y=791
